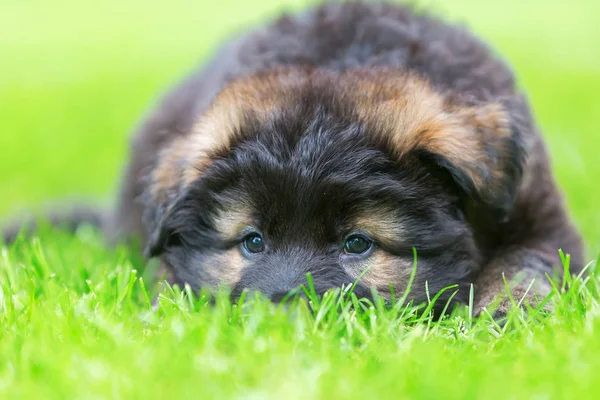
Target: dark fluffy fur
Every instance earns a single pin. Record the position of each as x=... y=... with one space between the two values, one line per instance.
x=305 y=172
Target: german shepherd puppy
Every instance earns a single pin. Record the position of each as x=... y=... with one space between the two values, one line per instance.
x=336 y=141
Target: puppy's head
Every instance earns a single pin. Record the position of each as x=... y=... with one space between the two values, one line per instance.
x=339 y=176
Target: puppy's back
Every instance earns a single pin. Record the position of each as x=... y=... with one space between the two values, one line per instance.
x=358 y=35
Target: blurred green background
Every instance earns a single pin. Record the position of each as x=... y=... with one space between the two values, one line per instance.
x=75 y=78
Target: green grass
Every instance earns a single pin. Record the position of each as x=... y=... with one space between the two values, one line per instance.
x=75 y=321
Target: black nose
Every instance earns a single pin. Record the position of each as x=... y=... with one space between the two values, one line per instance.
x=278 y=297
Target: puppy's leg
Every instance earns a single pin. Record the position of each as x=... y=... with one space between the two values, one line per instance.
x=525 y=272
x=528 y=241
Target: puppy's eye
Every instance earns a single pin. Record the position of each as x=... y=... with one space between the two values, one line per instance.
x=357 y=244
x=254 y=243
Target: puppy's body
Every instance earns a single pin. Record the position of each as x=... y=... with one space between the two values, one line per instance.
x=349 y=120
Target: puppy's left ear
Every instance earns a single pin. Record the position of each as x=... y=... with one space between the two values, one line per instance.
x=159 y=234
x=163 y=223
x=158 y=237
x=483 y=149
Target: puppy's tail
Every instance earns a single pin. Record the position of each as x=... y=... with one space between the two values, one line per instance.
x=64 y=218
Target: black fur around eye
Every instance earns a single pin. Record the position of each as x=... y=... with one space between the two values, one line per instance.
x=357 y=244
x=254 y=243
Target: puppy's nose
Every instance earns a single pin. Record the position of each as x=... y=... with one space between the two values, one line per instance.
x=279 y=296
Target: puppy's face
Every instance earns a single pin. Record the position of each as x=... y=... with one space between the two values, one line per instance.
x=310 y=179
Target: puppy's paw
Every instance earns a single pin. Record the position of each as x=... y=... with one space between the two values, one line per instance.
x=522 y=298
x=498 y=293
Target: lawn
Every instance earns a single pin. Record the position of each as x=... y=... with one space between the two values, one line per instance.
x=75 y=319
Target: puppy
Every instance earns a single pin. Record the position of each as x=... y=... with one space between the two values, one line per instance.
x=336 y=141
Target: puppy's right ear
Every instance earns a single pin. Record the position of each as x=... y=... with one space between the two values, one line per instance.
x=481 y=146
x=484 y=152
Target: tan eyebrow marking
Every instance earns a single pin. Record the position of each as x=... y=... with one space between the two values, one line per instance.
x=383 y=226
x=233 y=220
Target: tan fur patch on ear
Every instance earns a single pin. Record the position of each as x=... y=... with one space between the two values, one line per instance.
x=417 y=117
x=184 y=160
x=490 y=124
x=188 y=156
